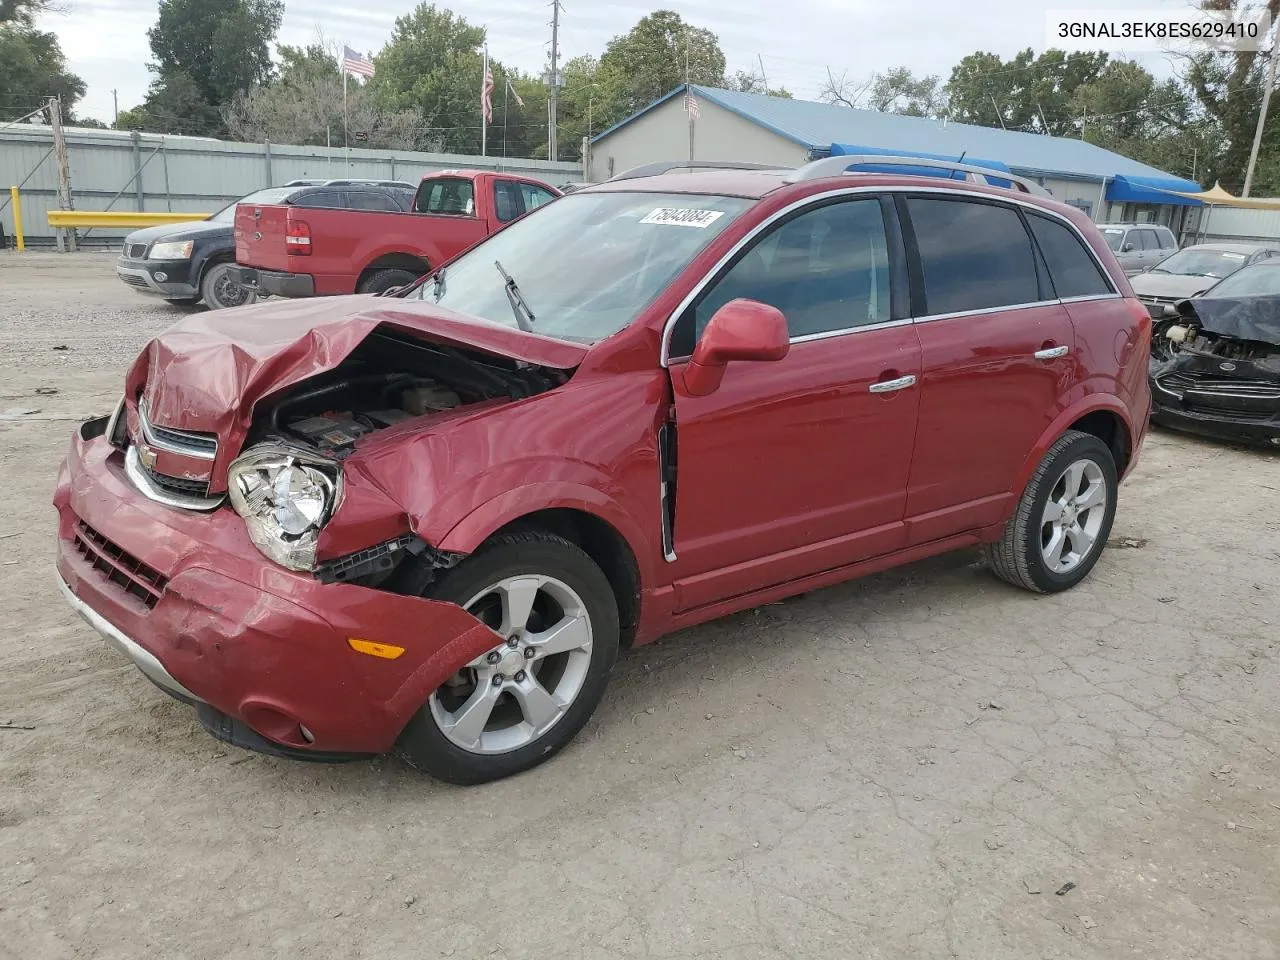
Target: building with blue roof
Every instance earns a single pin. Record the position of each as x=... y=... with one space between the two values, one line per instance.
x=762 y=129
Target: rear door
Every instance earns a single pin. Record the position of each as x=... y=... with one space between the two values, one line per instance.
x=799 y=465
x=996 y=358
x=1149 y=243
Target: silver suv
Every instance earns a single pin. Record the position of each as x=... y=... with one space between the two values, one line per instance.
x=1138 y=246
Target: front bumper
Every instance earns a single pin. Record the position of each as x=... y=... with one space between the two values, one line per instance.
x=275 y=284
x=210 y=620
x=1226 y=415
x=141 y=275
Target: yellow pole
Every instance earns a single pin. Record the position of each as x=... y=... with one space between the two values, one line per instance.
x=17 y=220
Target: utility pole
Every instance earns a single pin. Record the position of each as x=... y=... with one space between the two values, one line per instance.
x=115 y=107
x=553 y=100
x=1262 y=115
x=64 y=167
x=763 y=79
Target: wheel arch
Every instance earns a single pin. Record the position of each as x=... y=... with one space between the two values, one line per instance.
x=1101 y=416
x=394 y=260
x=606 y=536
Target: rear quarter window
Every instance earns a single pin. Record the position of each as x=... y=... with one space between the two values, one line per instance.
x=974 y=255
x=1072 y=268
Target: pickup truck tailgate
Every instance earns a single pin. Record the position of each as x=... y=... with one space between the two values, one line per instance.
x=260 y=236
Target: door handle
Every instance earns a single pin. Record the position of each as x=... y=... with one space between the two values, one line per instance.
x=890 y=386
x=1052 y=353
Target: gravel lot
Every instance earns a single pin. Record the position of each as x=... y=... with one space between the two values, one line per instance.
x=912 y=765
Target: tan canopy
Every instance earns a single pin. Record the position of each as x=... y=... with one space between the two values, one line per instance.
x=1221 y=198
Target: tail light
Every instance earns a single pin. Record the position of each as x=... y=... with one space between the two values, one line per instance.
x=297 y=241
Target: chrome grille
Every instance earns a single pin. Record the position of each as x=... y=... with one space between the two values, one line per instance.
x=1227 y=387
x=203 y=446
x=190 y=488
x=118 y=567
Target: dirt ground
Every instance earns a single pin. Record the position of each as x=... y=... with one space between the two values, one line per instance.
x=915 y=765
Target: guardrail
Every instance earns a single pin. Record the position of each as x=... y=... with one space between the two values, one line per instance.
x=124 y=218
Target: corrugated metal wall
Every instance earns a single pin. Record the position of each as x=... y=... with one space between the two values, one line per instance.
x=190 y=174
x=1232 y=224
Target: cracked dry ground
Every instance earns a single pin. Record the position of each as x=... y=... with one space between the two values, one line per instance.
x=906 y=766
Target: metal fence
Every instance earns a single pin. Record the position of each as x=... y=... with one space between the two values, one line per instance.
x=119 y=170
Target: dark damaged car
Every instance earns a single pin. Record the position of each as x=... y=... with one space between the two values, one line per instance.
x=1215 y=364
x=431 y=520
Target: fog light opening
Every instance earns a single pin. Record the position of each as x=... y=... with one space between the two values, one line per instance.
x=307 y=735
x=161 y=276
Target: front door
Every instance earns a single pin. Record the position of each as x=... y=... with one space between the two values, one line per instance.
x=799 y=465
x=996 y=357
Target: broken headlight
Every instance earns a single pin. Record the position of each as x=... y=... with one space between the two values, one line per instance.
x=286 y=497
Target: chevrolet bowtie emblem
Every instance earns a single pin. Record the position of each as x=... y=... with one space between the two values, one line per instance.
x=147 y=456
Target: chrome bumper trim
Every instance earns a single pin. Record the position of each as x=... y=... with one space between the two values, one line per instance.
x=151 y=667
x=152 y=491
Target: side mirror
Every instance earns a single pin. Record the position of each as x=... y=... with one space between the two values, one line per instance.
x=740 y=330
x=1127 y=248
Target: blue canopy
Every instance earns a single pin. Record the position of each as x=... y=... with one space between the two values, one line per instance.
x=1127 y=189
x=850 y=149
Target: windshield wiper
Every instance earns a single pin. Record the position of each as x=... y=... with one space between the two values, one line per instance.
x=1159 y=270
x=524 y=316
x=438 y=284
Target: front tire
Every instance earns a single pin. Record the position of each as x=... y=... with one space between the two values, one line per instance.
x=1063 y=519
x=219 y=289
x=515 y=706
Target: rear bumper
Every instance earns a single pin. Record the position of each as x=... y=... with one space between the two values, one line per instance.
x=275 y=284
x=142 y=276
x=189 y=599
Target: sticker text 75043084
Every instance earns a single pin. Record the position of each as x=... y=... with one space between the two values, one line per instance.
x=683 y=217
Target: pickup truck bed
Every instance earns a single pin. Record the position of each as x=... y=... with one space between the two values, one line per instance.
x=293 y=252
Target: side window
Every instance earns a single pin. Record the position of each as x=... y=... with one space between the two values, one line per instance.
x=322 y=200
x=1166 y=240
x=1075 y=273
x=826 y=269
x=975 y=256
x=447 y=196
x=535 y=197
x=507 y=202
x=1147 y=240
x=368 y=200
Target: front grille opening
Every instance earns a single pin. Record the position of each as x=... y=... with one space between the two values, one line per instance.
x=190 y=488
x=136 y=251
x=118 y=567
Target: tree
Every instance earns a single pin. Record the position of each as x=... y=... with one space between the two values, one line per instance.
x=1228 y=86
x=656 y=55
x=34 y=67
x=432 y=67
x=206 y=52
x=843 y=92
x=1025 y=93
x=900 y=91
x=748 y=81
x=305 y=104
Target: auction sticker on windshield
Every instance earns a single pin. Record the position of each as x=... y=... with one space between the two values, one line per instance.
x=683 y=217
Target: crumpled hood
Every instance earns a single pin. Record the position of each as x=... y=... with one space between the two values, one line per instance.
x=1242 y=318
x=1170 y=285
x=207 y=372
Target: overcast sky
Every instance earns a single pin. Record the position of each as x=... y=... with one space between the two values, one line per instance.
x=105 y=40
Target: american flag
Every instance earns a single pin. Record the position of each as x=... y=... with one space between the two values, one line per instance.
x=353 y=62
x=486 y=94
x=691 y=105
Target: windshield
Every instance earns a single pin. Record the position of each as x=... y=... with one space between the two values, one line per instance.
x=270 y=195
x=1202 y=263
x=585 y=265
x=1113 y=237
x=1260 y=280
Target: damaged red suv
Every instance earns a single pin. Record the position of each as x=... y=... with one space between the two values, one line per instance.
x=429 y=521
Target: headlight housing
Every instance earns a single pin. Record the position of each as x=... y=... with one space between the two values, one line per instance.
x=180 y=250
x=286 y=497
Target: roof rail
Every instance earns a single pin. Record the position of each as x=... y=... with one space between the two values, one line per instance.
x=666 y=166
x=839 y=166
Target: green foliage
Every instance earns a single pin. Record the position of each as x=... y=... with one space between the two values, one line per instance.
x=650 y=61
x=1025 y=93
x=34 y=68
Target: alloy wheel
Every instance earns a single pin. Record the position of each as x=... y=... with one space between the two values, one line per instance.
x=1073 y=516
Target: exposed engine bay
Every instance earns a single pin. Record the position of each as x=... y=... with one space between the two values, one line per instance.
x=1245 y=330
x=390 y=379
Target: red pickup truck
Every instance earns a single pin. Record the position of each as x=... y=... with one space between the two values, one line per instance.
x=289 y=251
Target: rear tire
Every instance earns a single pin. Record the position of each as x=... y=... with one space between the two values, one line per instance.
x=528 y=697
x=219 y=290
x=1063 y=520
x=380 y=281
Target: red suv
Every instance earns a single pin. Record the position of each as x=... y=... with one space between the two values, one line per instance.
x=430 y=521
